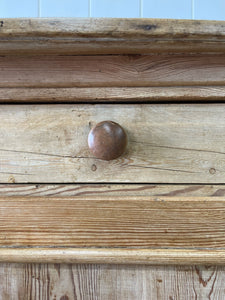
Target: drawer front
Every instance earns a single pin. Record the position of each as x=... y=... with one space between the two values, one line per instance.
x=167 y=143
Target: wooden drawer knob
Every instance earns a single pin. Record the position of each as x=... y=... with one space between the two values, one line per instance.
x=107 y=140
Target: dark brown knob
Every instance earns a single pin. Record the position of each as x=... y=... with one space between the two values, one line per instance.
x=107 y=140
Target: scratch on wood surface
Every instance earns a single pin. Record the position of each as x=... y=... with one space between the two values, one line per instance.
x=163 y=169
x=177 y=148
x=45 y=154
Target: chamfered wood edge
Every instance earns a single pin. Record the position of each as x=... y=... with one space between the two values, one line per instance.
x=112 y=94
x=101 y=36
x=113 y=256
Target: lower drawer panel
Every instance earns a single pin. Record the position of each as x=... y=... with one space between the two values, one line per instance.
x=167 y=143
x=104 y=221
x=145 y=228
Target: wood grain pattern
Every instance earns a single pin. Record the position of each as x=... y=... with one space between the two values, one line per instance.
x=113 y=94
x=100 y=223
x=101 y=36
x=167 y=144
x=181 y=230
x=116 y=222
x=101 y=255
x=112 y=70
x=83 y=190
x=87 y=282
x=116 y=27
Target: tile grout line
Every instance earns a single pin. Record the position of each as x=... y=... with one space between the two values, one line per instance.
x=89 y=8
x=141 y=8
x=39 y=8
x=193 y=9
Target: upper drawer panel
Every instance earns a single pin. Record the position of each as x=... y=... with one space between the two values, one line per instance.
x=112 y=71
x=167 y=143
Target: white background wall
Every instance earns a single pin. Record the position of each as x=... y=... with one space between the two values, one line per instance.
x=179 y=9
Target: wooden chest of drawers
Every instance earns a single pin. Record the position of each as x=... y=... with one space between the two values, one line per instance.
x=161 y=201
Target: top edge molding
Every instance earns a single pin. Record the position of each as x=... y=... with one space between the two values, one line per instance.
x=110 y=36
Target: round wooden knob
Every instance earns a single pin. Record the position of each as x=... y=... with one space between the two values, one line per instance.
x=107 y=140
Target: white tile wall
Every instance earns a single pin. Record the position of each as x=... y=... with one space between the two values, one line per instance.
x=115 y=8
x=177 y=9
x=63 y=8
x=181 y=9
x=211 y=10
x=20 y=8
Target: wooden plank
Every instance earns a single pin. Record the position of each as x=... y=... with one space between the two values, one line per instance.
x=117 y=27
x=113 y=94
x=83 y=190
x=167 y=144
x=112 y=70
x=88 y=281
x=41 y=281
x=104 y=255
x=159 y=255
x=184 y=228
x=100 y=36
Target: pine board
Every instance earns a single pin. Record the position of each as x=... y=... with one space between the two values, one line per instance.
x=167 y=144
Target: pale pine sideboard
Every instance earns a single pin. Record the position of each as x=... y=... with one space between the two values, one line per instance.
x=146 y=225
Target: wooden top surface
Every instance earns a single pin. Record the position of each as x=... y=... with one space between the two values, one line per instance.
x=111 y=27
x=99 y=36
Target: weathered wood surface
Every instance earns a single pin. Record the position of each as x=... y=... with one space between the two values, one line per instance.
x=167 y=144
x=112 y=70
x=61 y=281
x=101 y=255
x=171 y=78
x=83 y=190
x=114 y=221
x=87 y=282
x=100 y=36
x=115 y=27
x=113 y=94
x=109 y=255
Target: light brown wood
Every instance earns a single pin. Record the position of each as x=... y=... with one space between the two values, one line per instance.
x=167 y=144
x=195 y=231
x=159 y=229
x=84 y=282
x=104 y=255
x=100 y=36
x=112 y=256
x=112 y=70
x=113 y=94
x=83 y=190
